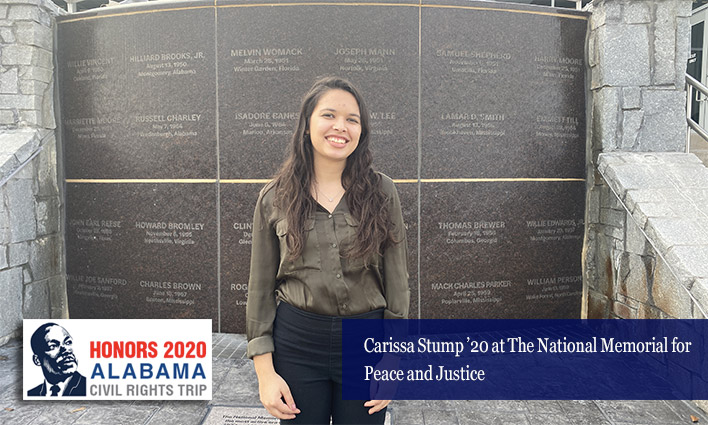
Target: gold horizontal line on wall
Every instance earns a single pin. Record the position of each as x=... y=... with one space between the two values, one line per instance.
x=503 y=179
x=313 y=3
x=427 y=6
x=244 y=181
x=498 y=9
x=264 y=181
x=117 y=181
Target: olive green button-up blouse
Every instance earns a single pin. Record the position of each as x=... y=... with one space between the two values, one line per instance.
x=322 y=280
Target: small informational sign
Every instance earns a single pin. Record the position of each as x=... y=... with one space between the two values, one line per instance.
x=239 y=415
x=136 y=359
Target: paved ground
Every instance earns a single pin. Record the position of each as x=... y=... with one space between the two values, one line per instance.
x=235 y=385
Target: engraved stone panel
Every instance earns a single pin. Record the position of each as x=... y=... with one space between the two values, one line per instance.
x=139 y=103
x=501 y=250
x=499 y=105
x=266 y=64
x=141 y=251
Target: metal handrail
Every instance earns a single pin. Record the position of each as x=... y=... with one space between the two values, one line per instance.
x=691 y=86
x=697 y=84
x=7 y=178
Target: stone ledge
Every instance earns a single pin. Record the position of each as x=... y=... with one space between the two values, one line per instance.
x=667 y=196
x=18 y=146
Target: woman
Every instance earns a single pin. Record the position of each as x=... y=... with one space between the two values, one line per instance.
x=328 y=242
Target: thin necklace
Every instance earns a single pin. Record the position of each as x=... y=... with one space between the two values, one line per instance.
x=330 y=199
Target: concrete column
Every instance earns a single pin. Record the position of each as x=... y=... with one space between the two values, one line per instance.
x=32 y=281
x=637 y=52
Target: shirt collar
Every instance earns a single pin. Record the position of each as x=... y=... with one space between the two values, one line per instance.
x=62 y=386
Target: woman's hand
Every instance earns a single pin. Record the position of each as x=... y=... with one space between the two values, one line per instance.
x=387 y=389
x=274 y=391
x=376 y=405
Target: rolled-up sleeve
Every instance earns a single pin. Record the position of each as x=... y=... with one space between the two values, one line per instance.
x=261 y=302
x=395 y=260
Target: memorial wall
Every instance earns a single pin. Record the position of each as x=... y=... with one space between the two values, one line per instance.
x=175 y=114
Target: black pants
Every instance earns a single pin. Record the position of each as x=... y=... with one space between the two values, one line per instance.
x=308 y=355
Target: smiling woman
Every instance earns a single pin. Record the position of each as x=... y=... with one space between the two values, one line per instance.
x=328 y=242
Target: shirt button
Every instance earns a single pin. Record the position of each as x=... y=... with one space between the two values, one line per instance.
x=334 y=245
x=329 y=216
x=338 y=275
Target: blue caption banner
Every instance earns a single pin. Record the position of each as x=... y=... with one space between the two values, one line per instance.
x=525 y=359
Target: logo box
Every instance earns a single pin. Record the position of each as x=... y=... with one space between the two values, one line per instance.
x=117 y=359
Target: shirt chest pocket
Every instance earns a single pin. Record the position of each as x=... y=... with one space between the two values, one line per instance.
x=349 y=229
x=310 y=257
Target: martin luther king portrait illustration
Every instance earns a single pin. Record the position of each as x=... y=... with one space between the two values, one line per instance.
x=54 y=352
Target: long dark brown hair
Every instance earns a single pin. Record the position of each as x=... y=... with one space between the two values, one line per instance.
x=367 y=202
